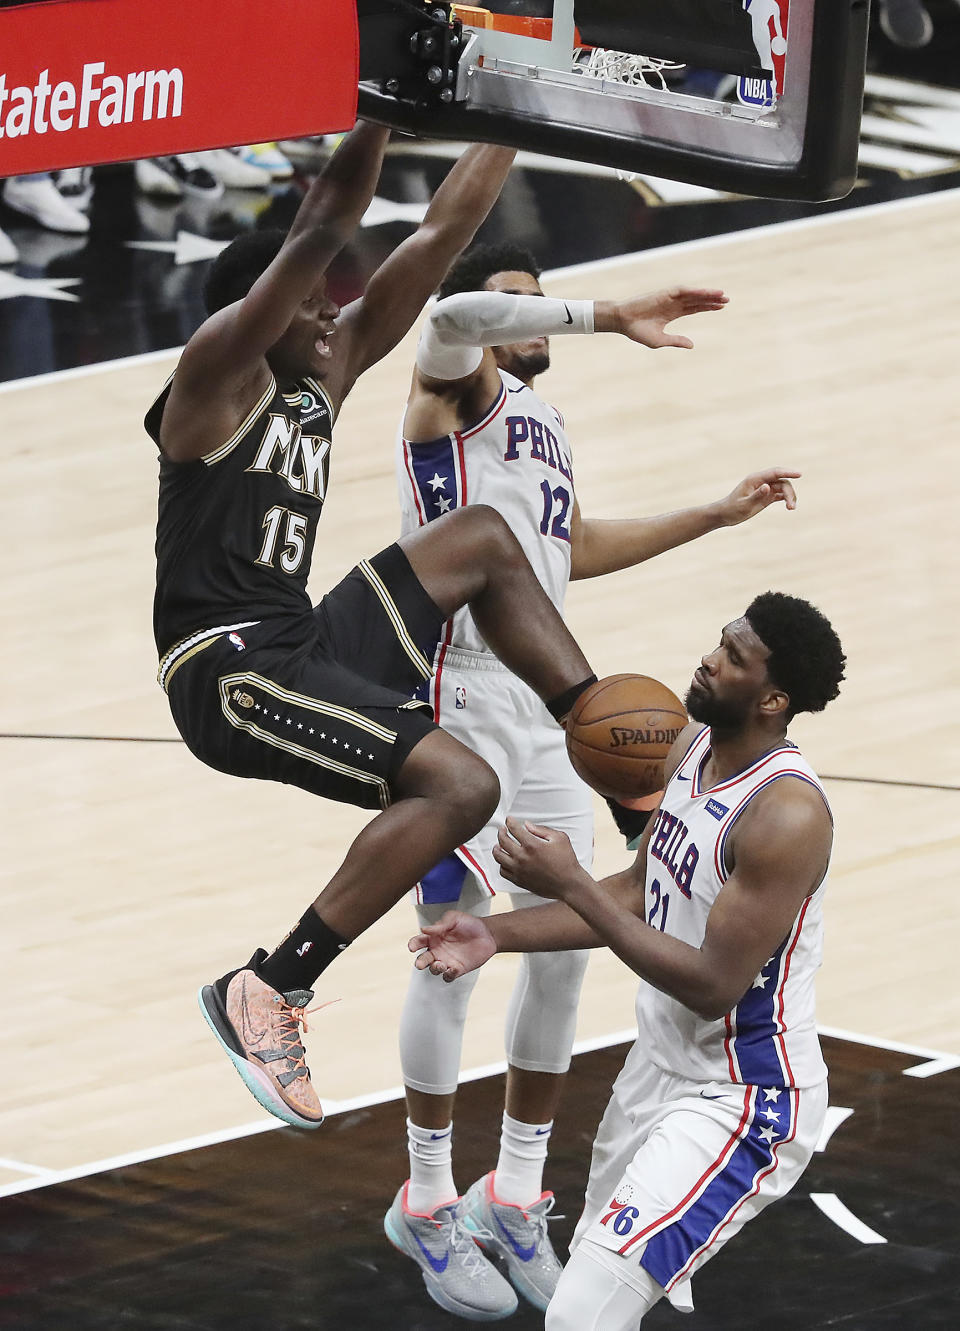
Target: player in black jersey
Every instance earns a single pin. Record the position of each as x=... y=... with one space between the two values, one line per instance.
x=261 y=683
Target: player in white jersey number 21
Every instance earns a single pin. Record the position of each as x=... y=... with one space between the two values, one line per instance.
x=476 y=432
x=721 y=1099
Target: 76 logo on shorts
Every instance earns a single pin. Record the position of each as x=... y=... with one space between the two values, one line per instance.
x=624 y=1217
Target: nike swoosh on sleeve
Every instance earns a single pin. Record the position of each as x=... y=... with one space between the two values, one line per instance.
x=569 y=318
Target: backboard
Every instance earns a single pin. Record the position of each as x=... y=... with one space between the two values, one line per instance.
x=755 y=97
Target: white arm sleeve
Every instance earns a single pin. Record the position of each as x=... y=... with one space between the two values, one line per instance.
x=459 y=326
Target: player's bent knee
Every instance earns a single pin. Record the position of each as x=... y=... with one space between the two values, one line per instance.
x=590 y=1297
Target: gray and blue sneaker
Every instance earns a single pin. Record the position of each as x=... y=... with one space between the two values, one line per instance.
x=518 y=1234
x=455 y=1271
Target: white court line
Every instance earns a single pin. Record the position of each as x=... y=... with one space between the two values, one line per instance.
x=835 y=1116
x=834 y=1209
x=336 y=1107
x=945 y=1064
x=21 y=1168
x=589 y=266
x=877 y=1042
x=82 y=371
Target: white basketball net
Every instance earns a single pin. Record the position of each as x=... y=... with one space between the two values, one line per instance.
x=619 y=67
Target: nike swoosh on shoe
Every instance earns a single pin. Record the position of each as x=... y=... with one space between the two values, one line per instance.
x=439 y=1264
x=525 y=1254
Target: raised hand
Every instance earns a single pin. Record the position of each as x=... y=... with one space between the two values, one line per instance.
x=456 y=944
x=644 y=318
x=757 y=492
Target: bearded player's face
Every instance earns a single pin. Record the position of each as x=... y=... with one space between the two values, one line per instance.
x=524 y=360
x=731 y=680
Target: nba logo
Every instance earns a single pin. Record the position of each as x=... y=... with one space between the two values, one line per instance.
x=237 y=642
x=769 y=20
x=461 y=696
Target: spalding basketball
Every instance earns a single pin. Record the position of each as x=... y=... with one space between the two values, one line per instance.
x=619 y=732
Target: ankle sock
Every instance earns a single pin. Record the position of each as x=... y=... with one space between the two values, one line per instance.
x=523 y=1152
x=431 y=1168
x=305 y=953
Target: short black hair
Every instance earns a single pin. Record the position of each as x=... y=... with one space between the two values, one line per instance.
x=235 y=269
x=471 y=271
x=806 y=659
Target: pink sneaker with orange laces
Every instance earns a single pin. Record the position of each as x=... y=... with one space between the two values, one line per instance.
x=259 y=1030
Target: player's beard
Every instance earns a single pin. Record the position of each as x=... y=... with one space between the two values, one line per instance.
x=528 y=366
x=714 y=712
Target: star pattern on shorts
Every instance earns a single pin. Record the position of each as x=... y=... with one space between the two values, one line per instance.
x=437 y=482
x=768 y=1134
x=312 y=730
x=772 y=1093
x=444 y=504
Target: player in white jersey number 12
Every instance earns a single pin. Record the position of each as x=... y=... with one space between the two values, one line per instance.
x=721 y=1099
x=476 y=432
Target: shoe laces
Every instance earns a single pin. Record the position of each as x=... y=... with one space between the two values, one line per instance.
x=463 y=1241
x=290 y=1017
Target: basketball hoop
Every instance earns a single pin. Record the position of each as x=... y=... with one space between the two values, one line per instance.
x=634 y=71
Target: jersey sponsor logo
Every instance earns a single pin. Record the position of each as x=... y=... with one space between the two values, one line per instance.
x=669 y=844
x=310 y=407
x=110 y=99
x=302 y=460
x=624 y=736
x=718 y=810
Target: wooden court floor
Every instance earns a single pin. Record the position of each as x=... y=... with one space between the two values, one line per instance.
x=132 y=874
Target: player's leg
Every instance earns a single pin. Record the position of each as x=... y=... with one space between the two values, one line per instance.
x=472 y=557
x=541 y=1023
x=708 y=1157
x=590 y=1297
x=428 y=1204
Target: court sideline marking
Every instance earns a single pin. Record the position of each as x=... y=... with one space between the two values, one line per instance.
x=46 y=1178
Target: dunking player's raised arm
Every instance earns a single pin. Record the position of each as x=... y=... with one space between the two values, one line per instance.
x=223 y=370
x=396 y=294
x=326 y=219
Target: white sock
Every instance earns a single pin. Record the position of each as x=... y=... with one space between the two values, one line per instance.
x=431 y=1168
x=523 y=1151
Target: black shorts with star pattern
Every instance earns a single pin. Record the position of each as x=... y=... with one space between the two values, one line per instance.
x=321 y=700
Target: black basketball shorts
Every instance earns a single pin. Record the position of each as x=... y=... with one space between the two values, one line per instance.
x=322 y=700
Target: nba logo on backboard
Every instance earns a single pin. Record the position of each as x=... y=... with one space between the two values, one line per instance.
x=461 y=696
x=769 y=19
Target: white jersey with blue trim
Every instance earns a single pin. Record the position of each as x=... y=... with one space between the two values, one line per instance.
x=517 y=460
x=769 y=1038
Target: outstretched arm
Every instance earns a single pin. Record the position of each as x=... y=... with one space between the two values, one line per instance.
x=236 y=338
x=780 y=846
x=459 y=943
x=404 y=282
x=602 y=546
x=455 y=380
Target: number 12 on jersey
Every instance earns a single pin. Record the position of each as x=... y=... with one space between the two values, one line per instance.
x=556 y=507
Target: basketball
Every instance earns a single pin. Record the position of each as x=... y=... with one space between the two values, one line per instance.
x=778 y=45
x=619 y=732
